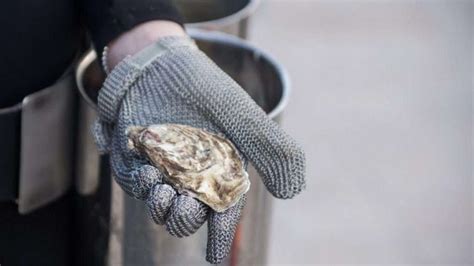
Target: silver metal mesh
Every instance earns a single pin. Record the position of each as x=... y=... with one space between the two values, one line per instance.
x=173 y=82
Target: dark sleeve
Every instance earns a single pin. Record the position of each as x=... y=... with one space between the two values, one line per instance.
x=107 y=19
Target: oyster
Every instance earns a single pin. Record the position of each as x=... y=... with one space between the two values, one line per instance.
x=195 y=162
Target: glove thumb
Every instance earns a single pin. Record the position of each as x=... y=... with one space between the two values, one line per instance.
x=102 y=134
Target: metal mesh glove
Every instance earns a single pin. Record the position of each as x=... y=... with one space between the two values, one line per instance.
x=172 y=81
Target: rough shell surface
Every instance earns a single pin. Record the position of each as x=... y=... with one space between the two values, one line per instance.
x=195 y=162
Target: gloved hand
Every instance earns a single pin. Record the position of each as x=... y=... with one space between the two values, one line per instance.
x=172 y=81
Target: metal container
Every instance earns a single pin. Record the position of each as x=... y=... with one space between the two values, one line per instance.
x=230 y=16
x=133 y=238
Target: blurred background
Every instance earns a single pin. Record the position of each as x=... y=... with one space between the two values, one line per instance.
x=381 y=101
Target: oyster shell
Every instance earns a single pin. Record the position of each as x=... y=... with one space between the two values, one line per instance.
x=195 y=162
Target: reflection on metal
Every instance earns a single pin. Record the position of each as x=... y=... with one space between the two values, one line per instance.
x=46 y=144
x=218 y=15
x=87 y=162
x=134 y=239
x=116 y=242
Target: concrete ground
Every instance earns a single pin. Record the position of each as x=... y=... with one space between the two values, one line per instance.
x=381 y=102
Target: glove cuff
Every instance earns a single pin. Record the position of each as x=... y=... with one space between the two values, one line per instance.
x=118 y=82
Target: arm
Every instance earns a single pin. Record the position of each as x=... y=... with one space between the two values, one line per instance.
x=106 y=20
x=131 y=42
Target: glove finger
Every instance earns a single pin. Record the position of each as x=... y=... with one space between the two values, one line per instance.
x=139 y=181
x=145 y=178
x=221 y=231
x=275 y=155
x=159 y=202
x=186 y=216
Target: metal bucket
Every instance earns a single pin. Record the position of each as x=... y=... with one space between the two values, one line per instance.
x=218 y=15
x=134 y=239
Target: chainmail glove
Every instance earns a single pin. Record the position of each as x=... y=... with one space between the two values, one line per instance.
x=172 y=81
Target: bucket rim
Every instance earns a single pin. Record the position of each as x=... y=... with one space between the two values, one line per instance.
x=216 y=37
x=233 y=18
x=231 y=40
x=89 y=56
